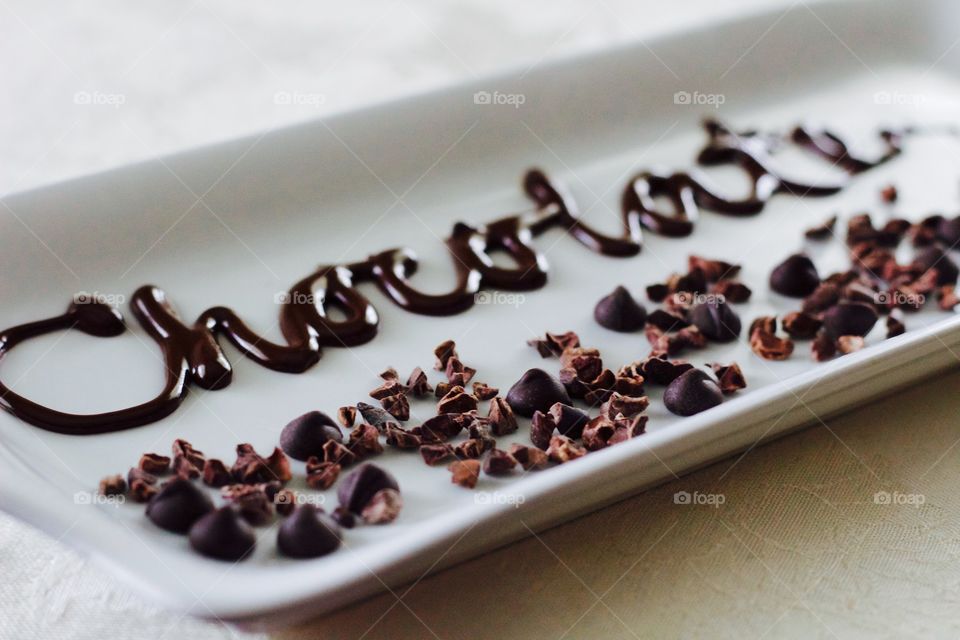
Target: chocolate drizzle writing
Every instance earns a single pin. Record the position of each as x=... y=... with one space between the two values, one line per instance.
x=193 y=356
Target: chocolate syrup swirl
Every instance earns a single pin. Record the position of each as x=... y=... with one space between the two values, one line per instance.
x=192 y=354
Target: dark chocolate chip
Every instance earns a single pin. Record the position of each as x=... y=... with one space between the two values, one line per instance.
x=694 y=391
x=935 y=258
x=849 y=319
x=619 y=311
x=358 y=487
x=222 y=534
x=716 y=320
x=305 y=436
x=177 y=505
x=308 y=533
x=795 y=277
x=536 y=390
x=570 y=421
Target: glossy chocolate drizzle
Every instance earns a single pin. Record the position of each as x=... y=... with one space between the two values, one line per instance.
x=192 y=354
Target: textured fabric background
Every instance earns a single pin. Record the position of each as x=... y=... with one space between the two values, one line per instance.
x=799 y=548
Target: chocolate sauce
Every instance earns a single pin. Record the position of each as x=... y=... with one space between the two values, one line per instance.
x=192 y=355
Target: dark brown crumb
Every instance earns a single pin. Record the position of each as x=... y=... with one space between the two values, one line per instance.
x=530 y=458
x=113 y=485
x=498 y=463
x=563 y=449
x=730 y=377
x=800 y=325
x=823 y=230
x=465 y=473
x=154 y=463
x=347 y=416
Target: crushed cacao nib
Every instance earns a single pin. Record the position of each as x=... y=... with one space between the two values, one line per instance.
x=483 y=391
x=154 y=463
x=402 y=439
x=113 y=485
x=184 y=468
x=383 y=508
x=661 y=371
x=471 y=448
x=364 y=441
x=498 y=463
x=418 y=385
x=136 y=473
x=442 y=389
x=142 y=491
x=389 y=374
x=732 y=291
x=822 y=298
x=339 y=453
x=553 y=344
x=666 y=321
x=457 y=400
x=597 y=433
x=251 y=467
x=823 y=230
x=458 y=373
x=254 y=506
x=768 y=346
x=541 y=429
x=569 y=421
x=443 y=352
x=434 y=454
x=823 y=347
x=801 y=326
x=620 y=405
x=389 y=388
x=439 y=428
x=729 y=376
x=215 y=473
x=398 y=406
x=347 y=416
x=465 y=473
x=321 y=475
x=713 y=270
x=530 y=458
x=849 y=344
x=376 y=416
x=500 y=415
x=182 y=448
x=562 y=449
x=947 y=297
x=586 y=362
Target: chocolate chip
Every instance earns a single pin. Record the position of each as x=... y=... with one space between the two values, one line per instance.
x=691 y=393
x=536 y=390
x=823 y=230
x=321 y=475
x=344 y=518
x=443 y=352
x=729 y=377
x=177 y=505
x=308 y=533
x=530 y=458
x=795 y=277
x=417 y=384
x=216 y=474
x=222 y=535
x=383 y=507
x=562 y=449
x=498 y=463
x=358 y=487
x=305 y=436
x=716 y=320
x=658 y=292
x=823 y=347
x=849 y=319
x=465 y=473
x=154 y=463
x=113 y=485
x=619 y=311
x=569 y=421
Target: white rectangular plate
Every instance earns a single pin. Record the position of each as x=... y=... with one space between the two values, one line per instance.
x=237 y=223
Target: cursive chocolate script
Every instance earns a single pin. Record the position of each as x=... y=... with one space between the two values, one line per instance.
x=192 y=354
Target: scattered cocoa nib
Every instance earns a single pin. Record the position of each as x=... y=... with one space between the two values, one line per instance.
x=443 y=352
x=465 y=473
x=142 y=491
x=154 y=463
x=767 y=324
x=483 y=391
x=823 y=230
x=184 y=468
x=442 y=389
x=530 y=458
x=398 y=406
x=284 y=502
x=770 y=347
x=629 y=427
x=659 y=370
x=498 y=463
x=823 y=347
x=501 y=417
x=729 y=376
x=389 y=374
x=417 y=384
x=339 y=453
x=597 y=433
x=389 y=388
x=136 y=473
x=250 y=467
x=889 y=194
x=471 y=448
x=321 y=475
x=735 y=292
x=347 y=416
x=947 y=297
x=562 y=449
x=800 y=325
x=553 y=344
x=569 y=421
x=628 y=385
x=924 y=233
x=439 y=428
x=586 y=362
x=113 y=485
x=376 y=416
x=402 y=439
x=480 y=430
x=215 y=473
x=457 y=400
x=182 y=448
x=620 y=405
x=458 y=373
x=849 y=344
x=383 y=508
x=713 y=270
x=823 y=297
x=541 y=429
x=666 y=321
x=252 y=501
x=693 y=281
x=434 y=454
x=364 y=441
x=895 y=326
